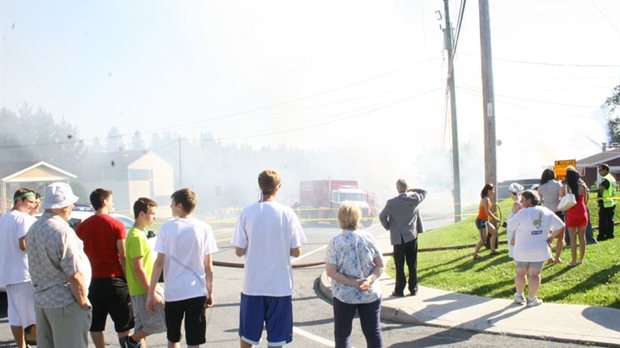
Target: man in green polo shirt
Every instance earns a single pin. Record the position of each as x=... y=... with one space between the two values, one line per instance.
x=607 y=205
x=139 y=262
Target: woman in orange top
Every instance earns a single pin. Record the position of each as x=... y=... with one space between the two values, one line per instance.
x=482 y=221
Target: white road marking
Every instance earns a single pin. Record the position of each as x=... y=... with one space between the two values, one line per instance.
x=313 y=337
x=308 y=254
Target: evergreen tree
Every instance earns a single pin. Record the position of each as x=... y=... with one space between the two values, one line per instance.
x=114 y=141
x=96 y=147
x=137 y=141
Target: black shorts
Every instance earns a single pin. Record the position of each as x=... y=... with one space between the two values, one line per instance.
x=195 y=321
x=110 y=296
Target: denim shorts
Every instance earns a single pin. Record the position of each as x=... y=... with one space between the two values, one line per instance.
x=482 y=224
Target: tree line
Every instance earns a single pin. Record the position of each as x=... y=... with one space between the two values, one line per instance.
x=224 y=174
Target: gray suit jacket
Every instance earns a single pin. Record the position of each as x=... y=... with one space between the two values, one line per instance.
x=400 y=216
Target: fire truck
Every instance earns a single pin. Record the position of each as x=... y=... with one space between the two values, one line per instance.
x=319 y=200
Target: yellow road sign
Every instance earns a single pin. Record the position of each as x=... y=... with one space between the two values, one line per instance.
x=560 y=167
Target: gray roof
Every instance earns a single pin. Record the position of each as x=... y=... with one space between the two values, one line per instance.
x=601 y=157
x=117 y=159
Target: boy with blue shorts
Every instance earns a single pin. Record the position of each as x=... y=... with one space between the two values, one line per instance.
x=184 y=246
x=267 y=234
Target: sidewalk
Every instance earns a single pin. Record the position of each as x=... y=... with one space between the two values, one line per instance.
x=576 y=323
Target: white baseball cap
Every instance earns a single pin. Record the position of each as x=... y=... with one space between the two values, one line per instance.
x=58 y=195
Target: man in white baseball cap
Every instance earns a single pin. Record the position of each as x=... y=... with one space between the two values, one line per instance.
x=60 y=273
x=57 y=196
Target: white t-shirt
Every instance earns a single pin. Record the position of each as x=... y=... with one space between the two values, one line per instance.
x=13 y=260
x=268 y=231
x=185 y=242
x=532 y=226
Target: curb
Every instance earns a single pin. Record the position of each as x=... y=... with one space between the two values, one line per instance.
x=554 y=322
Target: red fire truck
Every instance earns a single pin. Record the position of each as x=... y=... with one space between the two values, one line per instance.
x=319 y=200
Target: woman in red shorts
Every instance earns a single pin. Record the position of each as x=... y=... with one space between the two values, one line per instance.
x=577 y=216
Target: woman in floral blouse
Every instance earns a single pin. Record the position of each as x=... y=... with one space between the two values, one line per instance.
x=353 y=261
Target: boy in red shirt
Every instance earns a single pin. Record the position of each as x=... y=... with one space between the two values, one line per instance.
x=104 y=244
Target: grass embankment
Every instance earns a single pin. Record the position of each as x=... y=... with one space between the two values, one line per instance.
x=595 y=283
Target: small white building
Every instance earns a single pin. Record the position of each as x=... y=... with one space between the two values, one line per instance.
x=35 y=176
x=130 y=175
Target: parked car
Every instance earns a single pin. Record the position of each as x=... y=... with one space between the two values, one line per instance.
x=83 y=211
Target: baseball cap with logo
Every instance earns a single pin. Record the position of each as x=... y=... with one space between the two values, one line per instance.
x=58 y=195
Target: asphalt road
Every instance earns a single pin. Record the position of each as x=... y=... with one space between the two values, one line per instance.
x=312 y=311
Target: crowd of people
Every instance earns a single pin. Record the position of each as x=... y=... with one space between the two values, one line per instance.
x=62 y=284
x=539 y=215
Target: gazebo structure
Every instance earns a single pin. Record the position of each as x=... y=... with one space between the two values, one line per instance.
x=35 y=177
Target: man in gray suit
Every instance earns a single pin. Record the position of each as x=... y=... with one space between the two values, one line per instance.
x=400 y=216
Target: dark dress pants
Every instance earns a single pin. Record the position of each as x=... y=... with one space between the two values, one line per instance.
x=406 y=252
x=370 y=319
x=606 y=222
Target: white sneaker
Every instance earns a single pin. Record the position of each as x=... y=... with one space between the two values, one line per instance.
x=535 y=302
x=519 y=298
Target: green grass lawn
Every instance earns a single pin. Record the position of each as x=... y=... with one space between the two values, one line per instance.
x=595 y=283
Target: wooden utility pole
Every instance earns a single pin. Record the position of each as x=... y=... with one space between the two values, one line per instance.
x=180 y=166
x=456 y=173
x=488 y=95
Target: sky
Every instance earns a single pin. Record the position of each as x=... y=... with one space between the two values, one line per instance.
x=365 y=75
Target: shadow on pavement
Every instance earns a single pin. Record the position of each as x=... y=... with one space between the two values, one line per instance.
x=594 y=315
x=444 y=338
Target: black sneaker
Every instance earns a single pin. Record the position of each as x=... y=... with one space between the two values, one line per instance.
x=127 y=342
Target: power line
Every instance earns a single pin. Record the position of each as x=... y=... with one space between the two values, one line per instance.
x=604 y=16
x=299 y=99
x=329 y=121
x=459 y=24
x=476 y=94
x=533 y=100
x=243 y=112
x=550 y=64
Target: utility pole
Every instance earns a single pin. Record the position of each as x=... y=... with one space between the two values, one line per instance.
x=488 y=95
x=456 y=173
x=180 y=166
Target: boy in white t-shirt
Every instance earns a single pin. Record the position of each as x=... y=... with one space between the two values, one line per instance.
x=14 y=273
x=267 y=234
x=184 y=246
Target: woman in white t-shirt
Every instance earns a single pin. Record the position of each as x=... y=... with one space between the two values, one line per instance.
x=532 y=244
